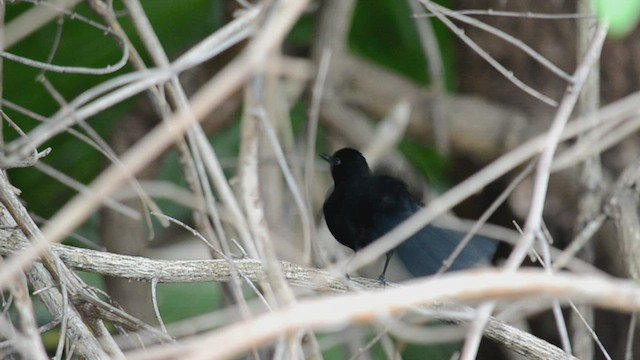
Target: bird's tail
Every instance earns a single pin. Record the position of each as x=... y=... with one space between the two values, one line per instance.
x=425 y=252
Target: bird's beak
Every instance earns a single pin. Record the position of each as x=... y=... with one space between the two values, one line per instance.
x=328 y=158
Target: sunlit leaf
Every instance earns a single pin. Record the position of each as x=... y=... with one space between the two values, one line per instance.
x=622 y=15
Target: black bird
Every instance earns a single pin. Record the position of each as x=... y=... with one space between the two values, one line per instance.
x=362 y=207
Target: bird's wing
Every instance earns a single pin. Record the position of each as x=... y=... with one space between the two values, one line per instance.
x=389 y=204
x=424 y=252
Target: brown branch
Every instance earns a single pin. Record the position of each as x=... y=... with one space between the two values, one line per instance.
x=330 y=311
x=478 y=129
x=143 y=269
x=27 y=338
x=622 y=206
x=41 y=277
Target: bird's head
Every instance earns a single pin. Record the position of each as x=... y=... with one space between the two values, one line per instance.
x=347 y=164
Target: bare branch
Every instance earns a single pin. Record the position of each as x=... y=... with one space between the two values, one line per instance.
x=622 y=295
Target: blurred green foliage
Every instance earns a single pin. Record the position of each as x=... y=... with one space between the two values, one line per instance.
x=385 y=32
x=182 y=301
x=432 y=165
x=177 y=25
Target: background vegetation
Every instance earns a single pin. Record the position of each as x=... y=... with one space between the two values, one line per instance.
x=519 y=112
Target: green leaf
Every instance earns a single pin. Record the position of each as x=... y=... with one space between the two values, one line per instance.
x=622 y=15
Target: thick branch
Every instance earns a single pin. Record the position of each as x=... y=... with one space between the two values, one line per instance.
x=331 y=311
x=143 y=269
x=478 y=129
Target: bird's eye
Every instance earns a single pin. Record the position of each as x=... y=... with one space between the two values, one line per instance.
x=336 y=161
